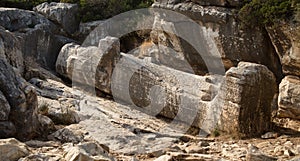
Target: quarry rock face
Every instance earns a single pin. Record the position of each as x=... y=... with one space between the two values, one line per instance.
x=288 y=99
x=159 y=101
x=220 y=34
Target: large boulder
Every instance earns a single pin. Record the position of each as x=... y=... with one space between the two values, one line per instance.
x=246 y=95
x=13 y=19
x=31 y=37
x=288 y=99
x=22 y=100
x=65 y=14
x=285 y=38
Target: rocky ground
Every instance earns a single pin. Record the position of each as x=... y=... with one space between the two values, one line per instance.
x=111 y=131
x=65 y=99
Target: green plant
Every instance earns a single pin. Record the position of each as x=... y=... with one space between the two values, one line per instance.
x=267 y=12
x=216 y=132
x=43 y=108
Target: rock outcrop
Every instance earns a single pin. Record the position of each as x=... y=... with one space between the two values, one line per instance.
x=288 y=99
x=11 y=49
x=64 y=14
x=220 y=34
x=22 y=100
x=285 y=38
x=169 y=76
x=38 y=38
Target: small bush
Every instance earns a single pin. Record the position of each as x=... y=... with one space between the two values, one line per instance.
x=43 y=108
x=267 y=12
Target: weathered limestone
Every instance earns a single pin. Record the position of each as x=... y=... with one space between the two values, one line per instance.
x=4 y=108
x=7 y=129
x=289 y=98
x=14 y=19
x=86 y=151
x=11 y=49
x=80 y=64
x=218 y=34
x=254 y=153
x=159 y=90
x=65 y=14
x=247 y=94
x=22 y=100
x=12 y=149
x=285 y=38
x=31 y=36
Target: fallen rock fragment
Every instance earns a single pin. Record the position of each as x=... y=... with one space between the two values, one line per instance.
x=255 y=154
x=288 y=99
x=12 y=150
x=86 y=151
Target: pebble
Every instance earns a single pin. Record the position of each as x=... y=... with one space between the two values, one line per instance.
x=269 y=135
x=196 y=149
x=288 y=153
x=203 y=143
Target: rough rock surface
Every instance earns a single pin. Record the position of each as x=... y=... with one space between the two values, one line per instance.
x=104 y=129
x=247 y=92
x=10 y=49
x=65 y=14
x=87 y=151
x=51 y=104
x=85 y=29
x=224 y=3
x=36 y=38
x=12 y=149
x=288 y=99
x=22 y=100
x=220 y=35
x=82 y=64
x=128 y=134
x=13 y=19
x=7 y=129
x=159 y=90
x=285 y=38
x=4 y=108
